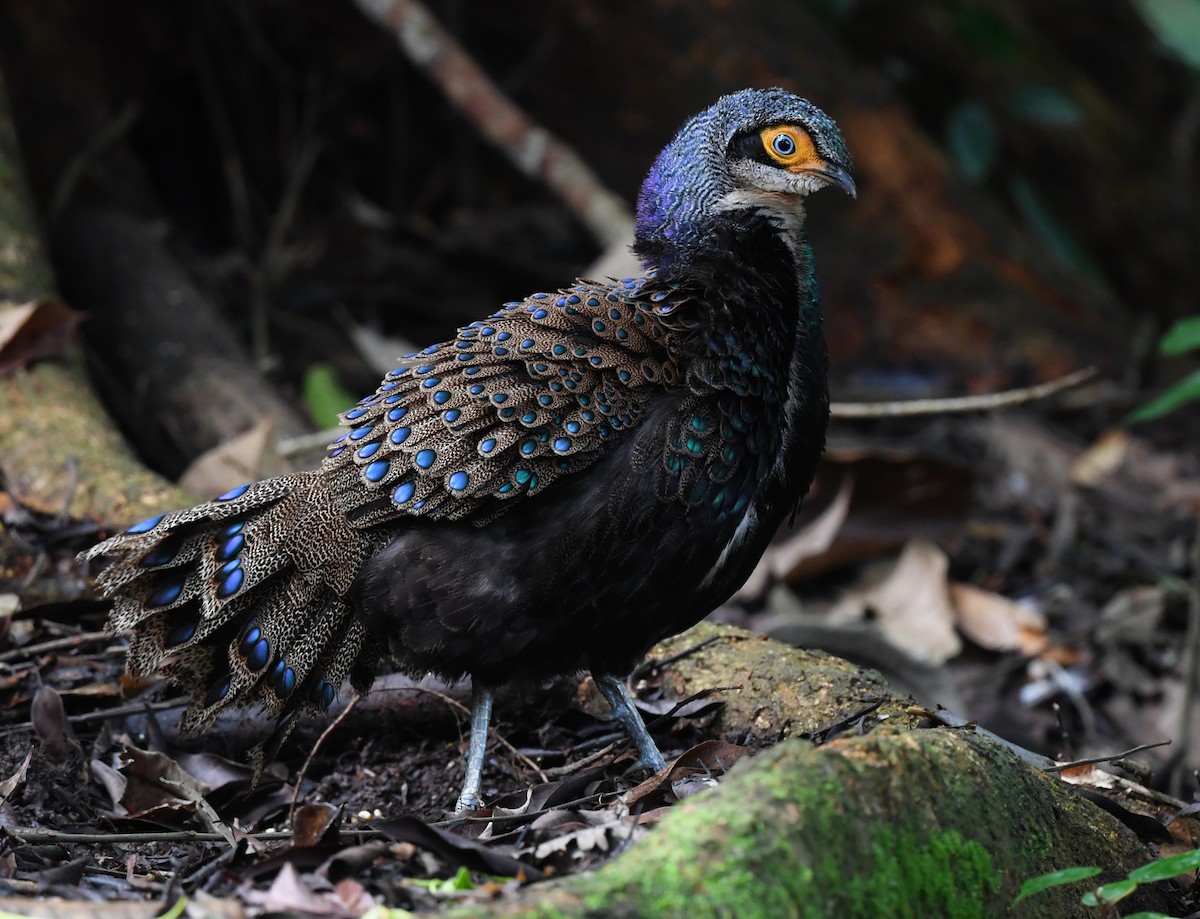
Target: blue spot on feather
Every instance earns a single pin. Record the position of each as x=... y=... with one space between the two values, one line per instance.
x=233 y=579
x=217 y=691
x=488 y=445
x=230 y=547
x=441 y=397
x=562 y=444
x=356 y=434
x=182 y=632
x=368 y=451
x=458 y=481
x=165 y=596
x=355 y=413
x=283 y=679
x=451 y=415
x=258 y=655
x=234 y=492
x=425 y=458
x=162 y=554
x=404 y=493
x=400 y=435
x=397 y=413
x=376 y=471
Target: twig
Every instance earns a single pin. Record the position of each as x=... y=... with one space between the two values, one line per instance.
x=31 y=836
x=536 y=152
x=55 y=644
x=1191 y=666
x=495 y=735
x=1060 y=767
x=579 y=765
x=107 y=136
x=959 y=404
x=308 y=760
x=289 y=446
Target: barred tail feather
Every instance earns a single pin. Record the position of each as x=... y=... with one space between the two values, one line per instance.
x=240 y=600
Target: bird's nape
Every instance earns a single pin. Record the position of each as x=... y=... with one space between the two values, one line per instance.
x=563 y=484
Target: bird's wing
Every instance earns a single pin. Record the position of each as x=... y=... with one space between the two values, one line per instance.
x=536 y=392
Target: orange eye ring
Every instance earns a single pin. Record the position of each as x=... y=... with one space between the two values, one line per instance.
x=788 y=145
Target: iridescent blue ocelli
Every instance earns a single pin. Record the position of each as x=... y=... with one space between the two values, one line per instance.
x=557 y=486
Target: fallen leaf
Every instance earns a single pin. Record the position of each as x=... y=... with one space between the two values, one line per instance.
x=997 y=623
x=1101 y=459
x=245 y=458
x=32 y=330
x=911 y=604
x=13 y=782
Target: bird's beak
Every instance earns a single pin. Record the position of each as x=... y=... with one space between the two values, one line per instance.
x=832 y=174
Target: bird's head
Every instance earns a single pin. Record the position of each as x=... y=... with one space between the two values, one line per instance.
x=761 y=149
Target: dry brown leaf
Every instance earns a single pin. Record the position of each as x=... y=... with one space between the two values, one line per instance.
x=911 y=604
x=32 y=330
x=815 y=537
x=13 y=782
x=1101 y=459
x=997 y=623
x=246 y=458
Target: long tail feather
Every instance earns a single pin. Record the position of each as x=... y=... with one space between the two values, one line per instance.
x=240 y=600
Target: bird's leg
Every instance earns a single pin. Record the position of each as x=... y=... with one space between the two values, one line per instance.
x=613 y=689
x=481 y=714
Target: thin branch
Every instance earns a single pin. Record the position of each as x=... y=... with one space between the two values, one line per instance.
x=1060 y=767
x=308 y=760
x=959 y=404
x=532 y=149
x=56 y=644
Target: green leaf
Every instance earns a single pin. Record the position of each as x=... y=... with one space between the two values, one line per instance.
x=1182 y=337
x=324 y=396
x=1130 y=916
x=1185 y=391
x=1048 y=106
x=1166 y=868
x=1109 y=893
x=971 y=140
x=1047 y=227
x=987 y=31
x=1054 y=879
x=1176 y=24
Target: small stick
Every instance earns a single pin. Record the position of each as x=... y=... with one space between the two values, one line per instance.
x=1059 y=767
x=308 y=760
x=56 y=644
x=532 y=149
x=959 y=404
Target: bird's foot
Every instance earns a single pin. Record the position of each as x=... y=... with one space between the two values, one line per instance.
x=468 y=801
x=481 y=715
x=614 y=690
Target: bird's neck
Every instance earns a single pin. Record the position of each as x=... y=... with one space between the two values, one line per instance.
x=754 y=304
x=750 y=339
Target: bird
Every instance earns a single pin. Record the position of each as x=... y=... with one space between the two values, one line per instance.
x=554 y=490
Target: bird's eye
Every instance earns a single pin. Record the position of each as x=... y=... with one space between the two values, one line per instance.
x=787 y=145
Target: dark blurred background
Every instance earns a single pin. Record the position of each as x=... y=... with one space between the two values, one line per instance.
x=1026 y=171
